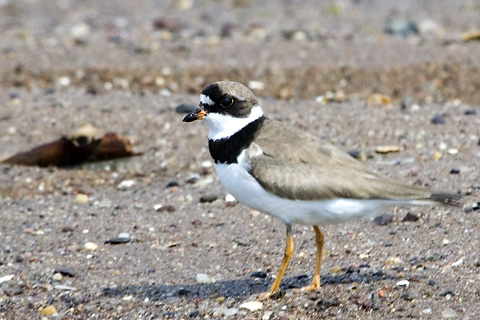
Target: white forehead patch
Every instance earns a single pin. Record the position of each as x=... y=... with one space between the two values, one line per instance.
x=206 y=100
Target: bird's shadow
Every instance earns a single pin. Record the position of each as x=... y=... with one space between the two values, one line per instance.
x=235 y=288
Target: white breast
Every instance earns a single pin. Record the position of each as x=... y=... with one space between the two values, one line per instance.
x=247 y=190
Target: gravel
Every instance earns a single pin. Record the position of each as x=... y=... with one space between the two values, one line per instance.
x=129 y=67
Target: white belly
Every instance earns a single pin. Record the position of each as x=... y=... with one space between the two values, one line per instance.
x=248 y=191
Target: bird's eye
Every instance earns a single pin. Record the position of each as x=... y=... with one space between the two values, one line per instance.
x=227 y=102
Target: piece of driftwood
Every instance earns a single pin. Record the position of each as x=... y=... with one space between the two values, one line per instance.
x=84 y=143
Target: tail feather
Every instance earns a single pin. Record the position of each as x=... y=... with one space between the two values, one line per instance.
x=449 y=199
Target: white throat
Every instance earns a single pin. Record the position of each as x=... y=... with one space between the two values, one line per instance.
x=224 y=125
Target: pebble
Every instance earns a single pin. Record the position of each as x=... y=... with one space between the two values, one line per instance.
x=81 y=198
x=64 y=81
x=256 y=85
x=357 y=154
x=57 y=277
x=383 y=220
x=454 y=171
x=125 y=184
x=172 y=183
x=438 y=119
x=388 y=149
x=445 y=241
x=378 y=99
x=163 y=208
x=252 y=305
x=66 y=271
x=267 y=315
x=400 y=26
x=429 y=27
x=63 y=287
x=427 y=311
x=393 y=260
x=230 y=200
x=457 y=263
x=227 y=312
x=118 y=240
x=6 y=278
x=204 y=278
x=449 y=313
x=90 y=246
x=258 y=274
x=410 y=217
x=402 y=283
x=208 y=198
x=48 y=311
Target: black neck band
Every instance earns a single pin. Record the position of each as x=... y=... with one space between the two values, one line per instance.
x=226 y=150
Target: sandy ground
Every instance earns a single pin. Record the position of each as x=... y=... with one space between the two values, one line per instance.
x=126 y=66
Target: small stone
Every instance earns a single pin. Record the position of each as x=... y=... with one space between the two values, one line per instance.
x=64 y=81
x=357 y=154
x=336 y=269
x=163 y=208
x=258 y=274
x=204 y=278
x=256 y=85
x=383 y=220
x=118 y=240
x=194 y=314
x=427 y=311
x=452 y=151
x=457 y=263
x=410 y=217
x=251 y=305
x=6 y=278
x=402 y=283
x=267 y=315
x=378 y=99
x=185 y=108
x=438 y=119
x=63 y=287
x=454 y=171
x=222 y=311
x=57 y=277
x=208 y=198
x=90 y=246
x=48 y=311
x=445 y=241
x=81 y=198
x=449 y=313
x=388 y=149
x=437 y=155
x=230 y=200
x=172 y=183
x=66 y=271
x=125 y=184
x=393 y=260
x=183 y=292
x=400 y=27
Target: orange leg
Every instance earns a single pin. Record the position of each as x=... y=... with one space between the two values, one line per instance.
x=286 y=258
x=318 y=264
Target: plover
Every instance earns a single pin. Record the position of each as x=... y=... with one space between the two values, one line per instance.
x=292 y=175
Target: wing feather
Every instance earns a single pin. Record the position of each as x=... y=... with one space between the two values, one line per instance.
x=317 y=170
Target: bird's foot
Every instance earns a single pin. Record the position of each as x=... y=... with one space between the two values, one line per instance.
x=270 y=294
x=312 y=287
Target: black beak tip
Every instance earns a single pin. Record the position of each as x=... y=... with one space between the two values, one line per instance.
x=190 y=117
